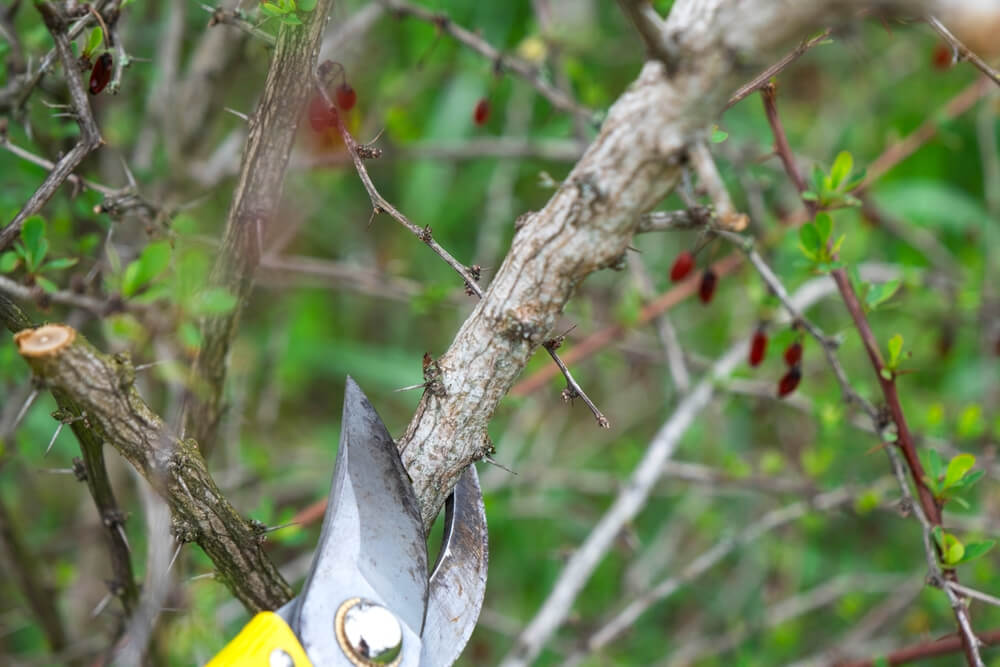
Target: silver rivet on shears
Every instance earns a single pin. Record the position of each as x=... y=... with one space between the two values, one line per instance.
x=279 y=658
x=368 y=633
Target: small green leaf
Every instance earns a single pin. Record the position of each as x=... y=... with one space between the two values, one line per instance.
x=33 y=238
x=151 y=263
x=46 y=284
x=879 y=294
x=8 y=261
x=841 y=169
x=818 y=176
x=718 y=136
x=932 y=463
x=271 y=9
x=974 y=550
x=961 y=501
x=938 y=533
x=969 y=480
x=895 y=349
x=213 y=301
x=189 y=335
x=886 y=374
x=809 y=195
x=957 y=468
x=291 y=19
x=953 y=549
x=824 y=225
x=59 y=264
x=94 y=41
x=809 y=238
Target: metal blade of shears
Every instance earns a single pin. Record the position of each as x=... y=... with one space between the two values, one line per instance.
x=372 y=544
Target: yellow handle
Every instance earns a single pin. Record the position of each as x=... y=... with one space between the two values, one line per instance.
x=263 y=635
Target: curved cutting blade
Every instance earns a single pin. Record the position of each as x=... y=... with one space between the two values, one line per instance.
x=458 y=583
x=372 y=544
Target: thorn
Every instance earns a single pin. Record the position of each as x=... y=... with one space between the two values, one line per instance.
x=489 y=459
x=238 y=114
x=207 y=575
x=24 y=408
x=53 y=440
x=411 y=387
x=101 y=605
x=280 y=526
x=121 y=532
x=128 y=173
x=142 y=367
x=177 y=552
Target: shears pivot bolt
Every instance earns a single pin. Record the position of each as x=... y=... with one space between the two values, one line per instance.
x=369 y=634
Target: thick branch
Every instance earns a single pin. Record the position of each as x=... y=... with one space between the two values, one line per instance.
x=255 y=204
x=102 y=386
x=588 y=223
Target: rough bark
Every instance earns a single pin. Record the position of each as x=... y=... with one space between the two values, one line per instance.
x=103 y=388
x=587 y=224
x=272 y=129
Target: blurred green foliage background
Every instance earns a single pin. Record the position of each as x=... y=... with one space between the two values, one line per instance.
x=862 y=92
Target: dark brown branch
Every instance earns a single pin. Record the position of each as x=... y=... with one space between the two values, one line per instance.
x=929 y=507
x=102 y=386
x=943 y=646
x=255 y=204
x=90 y=135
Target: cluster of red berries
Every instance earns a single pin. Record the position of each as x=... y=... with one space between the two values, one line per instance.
x=683 y=266
x=793 y=359
x=100 y=76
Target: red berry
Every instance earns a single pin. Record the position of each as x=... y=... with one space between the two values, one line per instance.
x=793 y=353
x=481 y=113
x=789 y=381
x=706 y=289
x=682 y=266
x=346 y=96
x=943 y=57
x=101 y=74
x=321 y=116
x=758 y=347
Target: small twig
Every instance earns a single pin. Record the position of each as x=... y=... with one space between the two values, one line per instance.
x=573 y=389
x=235 y=18
x=651 y=28
x=973 y=593
x=963 y=51
x=764 y=77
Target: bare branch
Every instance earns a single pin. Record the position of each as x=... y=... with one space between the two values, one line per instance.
x=964 y=52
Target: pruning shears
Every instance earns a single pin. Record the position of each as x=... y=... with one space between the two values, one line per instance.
x=368 y=599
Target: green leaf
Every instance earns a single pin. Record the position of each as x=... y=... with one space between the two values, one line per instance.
x=291 y=19
x=957 y=468
x=718 y=136
x=879 y=294
x=969 y=480
x=953 y=550
x=818 y=176
x=213 y=301
x=60 y=264
x=46 y=284
x=932 y=463
x=960 y=501
x=307 y=5
x=271 y=9
x=33 y=238
x=189 y=335
x=8 y=261
x=809 y=195
x=938 y=534
x=895 y=349
x=886 y=374
x=824 y=225
x=94 y=40
x=841 y=169
x=151 y=263
x=974 y=550
x=810 y=240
